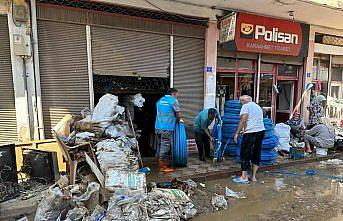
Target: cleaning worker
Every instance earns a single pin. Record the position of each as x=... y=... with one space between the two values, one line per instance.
x=202 y=133
x=168 y=113
x=251 y=123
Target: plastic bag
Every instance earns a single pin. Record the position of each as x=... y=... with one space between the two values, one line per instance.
x=138 y=100
x=76 y=214
x=282 y=131
x=83 y=137
x=119 y=179
x=105 y=108
x=219 y=202
x=51 y=205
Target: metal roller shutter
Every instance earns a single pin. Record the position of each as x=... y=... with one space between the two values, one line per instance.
x=63 y=70
x=8 y=122
x=123 y=53
x=189 y=75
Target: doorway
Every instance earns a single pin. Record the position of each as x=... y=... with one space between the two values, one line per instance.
x=284 y=101
x=125 y=87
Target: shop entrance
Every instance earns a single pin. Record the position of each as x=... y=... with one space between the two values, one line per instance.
x=284 y=101
x=236 y=77
x=152 y=89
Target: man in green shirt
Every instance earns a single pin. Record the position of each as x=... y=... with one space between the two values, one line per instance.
x=202 y=133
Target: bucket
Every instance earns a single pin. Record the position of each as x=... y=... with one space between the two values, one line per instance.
x=321 y=151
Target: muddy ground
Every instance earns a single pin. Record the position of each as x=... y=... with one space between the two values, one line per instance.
x=278 y=197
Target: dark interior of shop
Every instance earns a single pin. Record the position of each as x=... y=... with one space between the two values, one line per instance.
x=152 y=89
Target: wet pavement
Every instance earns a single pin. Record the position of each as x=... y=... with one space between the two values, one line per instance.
x=279 y=197
x=202 y=170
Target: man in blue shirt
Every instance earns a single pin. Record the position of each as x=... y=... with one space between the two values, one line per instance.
x=202 y=133
x=168 y=113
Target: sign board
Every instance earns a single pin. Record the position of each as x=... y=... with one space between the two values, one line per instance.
x=261 y=34
x=333 y=40
x=227 y=28
x=209 y=69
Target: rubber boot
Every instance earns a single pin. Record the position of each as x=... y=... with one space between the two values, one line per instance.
x=164 y=168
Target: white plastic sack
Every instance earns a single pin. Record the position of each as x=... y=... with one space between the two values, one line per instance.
x=106 y=107
x=117 y=130
x=283 y=131
x=138 y=100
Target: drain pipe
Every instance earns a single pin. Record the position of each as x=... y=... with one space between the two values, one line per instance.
x=34 y=43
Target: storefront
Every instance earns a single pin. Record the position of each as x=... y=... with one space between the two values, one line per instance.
x=8 y=123
x=85 y=52
x=327 y=72
x=264 y=58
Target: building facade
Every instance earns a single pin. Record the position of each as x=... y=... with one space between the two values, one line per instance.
x=262 y=57
x=58 y=57
x=325 y=69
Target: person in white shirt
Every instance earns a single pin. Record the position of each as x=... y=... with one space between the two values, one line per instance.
x=251 y=123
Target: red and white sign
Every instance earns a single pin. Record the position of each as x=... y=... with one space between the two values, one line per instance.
x=260 y=34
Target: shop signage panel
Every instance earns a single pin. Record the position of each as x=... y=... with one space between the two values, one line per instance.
x=333 y=40
x=227 y=28
x=261 y=34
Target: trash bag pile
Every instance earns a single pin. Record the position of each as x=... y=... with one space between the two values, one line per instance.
x=115 y=189
x=230 y=119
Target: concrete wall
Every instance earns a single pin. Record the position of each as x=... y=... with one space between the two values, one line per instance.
x=23 y=75
x=211 y=63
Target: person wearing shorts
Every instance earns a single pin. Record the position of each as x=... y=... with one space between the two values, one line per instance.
x=251 y=123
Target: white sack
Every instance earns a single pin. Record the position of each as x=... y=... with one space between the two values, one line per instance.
x=283 y=131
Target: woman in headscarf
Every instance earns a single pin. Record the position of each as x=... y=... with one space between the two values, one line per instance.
x=316 y=109
x=297 y=125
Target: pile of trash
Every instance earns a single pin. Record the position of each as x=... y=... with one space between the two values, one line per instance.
x=113 y=188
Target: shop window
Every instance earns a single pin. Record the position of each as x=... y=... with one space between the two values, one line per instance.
x=287 y=70
x=246 y=84
x=335 y=91
x=266 y=91
x=226 y=63
x=227 y=81
x=315 y=69
x=337 y=72
x=266 y=67
x=324 y=70
x=324 y=88
x=245 y=65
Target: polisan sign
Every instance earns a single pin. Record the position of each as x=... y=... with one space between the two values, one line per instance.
x=260 y=34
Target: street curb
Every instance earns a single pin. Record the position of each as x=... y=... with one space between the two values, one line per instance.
x=225 y=174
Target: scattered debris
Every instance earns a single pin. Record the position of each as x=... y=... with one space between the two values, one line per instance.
x=51 y=205
x=113 y=178
x=332 y=162
x=237 y=195
x=119 y=179
x=188 y=186
x=219 y=202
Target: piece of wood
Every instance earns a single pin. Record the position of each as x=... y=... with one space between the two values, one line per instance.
x=95 y=170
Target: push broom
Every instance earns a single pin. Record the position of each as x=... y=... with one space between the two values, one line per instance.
x=308 y=88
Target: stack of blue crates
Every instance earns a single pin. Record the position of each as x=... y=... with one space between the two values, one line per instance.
x=270 y=141
x=230 y=122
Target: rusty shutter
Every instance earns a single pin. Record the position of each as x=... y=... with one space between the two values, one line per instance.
x=129 y=53
x=189 y=75
x=8 y=122
x=63 y=70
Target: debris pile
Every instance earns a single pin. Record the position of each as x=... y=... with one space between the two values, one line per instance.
x=112 y=188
